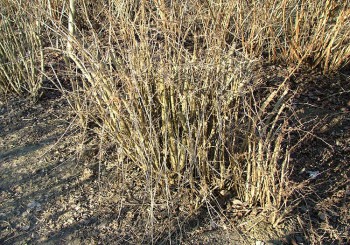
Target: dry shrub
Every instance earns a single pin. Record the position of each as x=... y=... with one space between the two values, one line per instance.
x=183 y=104
x=293 y=31
x=172 y=83
x=21 y=50
x=288 y=31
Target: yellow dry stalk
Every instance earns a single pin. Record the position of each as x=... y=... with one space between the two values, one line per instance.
x=333 y=41
x=22 y=68
x=71 y=27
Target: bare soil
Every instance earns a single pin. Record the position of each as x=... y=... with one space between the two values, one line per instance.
x=60 y=185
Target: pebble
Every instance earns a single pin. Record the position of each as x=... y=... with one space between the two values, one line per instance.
x=34 y=205
x=322 y=216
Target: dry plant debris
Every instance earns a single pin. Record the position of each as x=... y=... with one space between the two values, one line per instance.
x=174 y=122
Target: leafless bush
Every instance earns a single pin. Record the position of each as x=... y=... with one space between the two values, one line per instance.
x=21 y=50
x=181 y=103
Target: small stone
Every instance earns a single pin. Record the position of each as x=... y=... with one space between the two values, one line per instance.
x=34 y=205
x=322 y=216
x=25 y=227
x=313 y=174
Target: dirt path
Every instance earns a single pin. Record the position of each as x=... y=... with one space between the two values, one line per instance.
x=31 y=164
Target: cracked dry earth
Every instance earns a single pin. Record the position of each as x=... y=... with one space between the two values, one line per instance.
x=56 y=190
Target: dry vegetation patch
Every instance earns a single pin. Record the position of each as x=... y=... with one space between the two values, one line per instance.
x=188 y=123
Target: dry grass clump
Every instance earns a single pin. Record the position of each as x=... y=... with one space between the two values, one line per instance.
x=182 y=103
x=172 y=83
x=296 y=32
x=21 y=49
